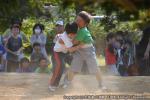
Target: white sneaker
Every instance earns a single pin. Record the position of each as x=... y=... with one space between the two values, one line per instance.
x=66 y=84
x=104 y=89
x=102 y=86
x=52 y=88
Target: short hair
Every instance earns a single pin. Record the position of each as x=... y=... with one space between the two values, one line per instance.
x=15 y=26
x=85 y=16
x=16 y=21
x=36 y=44
x=71 y=28
x=42 y=58
x=25 y=59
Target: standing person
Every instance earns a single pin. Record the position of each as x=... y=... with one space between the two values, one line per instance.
x=84 y=51
x=110 y=55
x=39 y=37
x=60 y=49
x=142 y=50
x=7 y=34
x=122 y=69
x=14 y=49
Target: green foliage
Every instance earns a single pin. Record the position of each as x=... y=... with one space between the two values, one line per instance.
x=33 y=11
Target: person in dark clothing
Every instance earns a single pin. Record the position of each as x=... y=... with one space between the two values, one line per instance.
x=143 y=57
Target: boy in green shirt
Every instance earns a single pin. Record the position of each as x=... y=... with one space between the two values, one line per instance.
x=43 y=66
x=83 y=50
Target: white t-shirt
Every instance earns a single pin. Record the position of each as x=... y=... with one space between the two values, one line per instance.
x=62 y=47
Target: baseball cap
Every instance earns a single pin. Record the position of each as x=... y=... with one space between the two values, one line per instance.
x=59 y=22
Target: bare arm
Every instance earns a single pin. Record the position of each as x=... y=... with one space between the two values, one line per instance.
x=75 y=42
x=77 y=46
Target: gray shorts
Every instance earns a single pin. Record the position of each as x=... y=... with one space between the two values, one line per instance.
x=86 y=55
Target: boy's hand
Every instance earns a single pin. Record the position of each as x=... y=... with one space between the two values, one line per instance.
x=80 y=46
x=72 y=49
x=20 y=50
x=61 y=41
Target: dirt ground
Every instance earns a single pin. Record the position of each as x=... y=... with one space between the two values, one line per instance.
x=15 y=86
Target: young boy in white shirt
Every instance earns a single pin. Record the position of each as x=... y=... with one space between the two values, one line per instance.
x=63 y=42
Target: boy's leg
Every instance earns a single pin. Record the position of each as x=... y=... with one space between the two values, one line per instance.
x=99 y=78
x=3 y=63
x=70 y=75
x=53 y=61
x=92 y=65
x=9 y=65
x=62 y=62
x=112 y=70
x=68 y=58
x=58 y=69
x=76 y=66
x=115 y=70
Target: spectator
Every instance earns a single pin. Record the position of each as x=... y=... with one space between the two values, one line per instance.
x=2 y=52
x=36 y=56
x=24 y=66
x=14 y=49
x=43 y=66
x=21 y=34
x=39 y=37
x=142 y=49
x=110 y=55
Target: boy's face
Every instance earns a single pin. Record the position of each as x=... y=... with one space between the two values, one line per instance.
x=80 y=22
x=72 y=35
x=25 y=64
x=43 y=63
x=37 y=48
x=15 y=31
x=59 y=29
